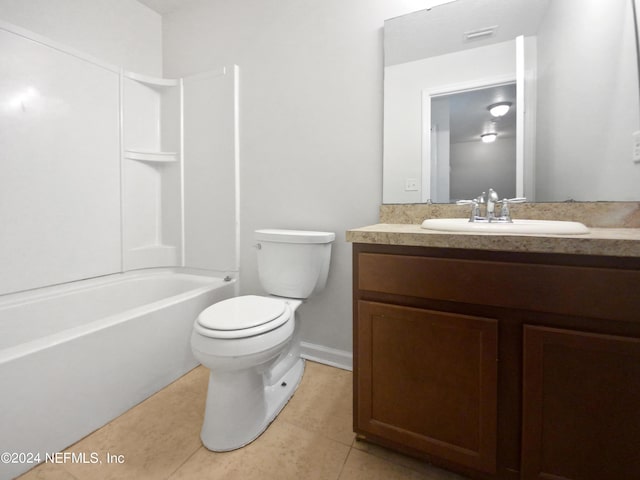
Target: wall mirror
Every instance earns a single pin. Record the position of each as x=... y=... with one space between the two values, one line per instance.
x=568 y=69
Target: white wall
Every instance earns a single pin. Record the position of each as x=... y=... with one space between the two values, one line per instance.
x=477 y=166
x=120 y=32
x=404 y=84
x=310 y=123
x=440 y=174
x=593 y=161
x=210 y=164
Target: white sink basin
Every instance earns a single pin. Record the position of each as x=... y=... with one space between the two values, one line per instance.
x=541 y=227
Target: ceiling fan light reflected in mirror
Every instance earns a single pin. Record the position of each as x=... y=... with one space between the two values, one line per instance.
x=499 y=109
x=489 y=137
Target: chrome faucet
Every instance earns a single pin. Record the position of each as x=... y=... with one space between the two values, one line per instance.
x=490 y=210
x=492 y=199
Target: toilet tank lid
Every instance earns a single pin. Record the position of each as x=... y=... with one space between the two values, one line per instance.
x=294 y=236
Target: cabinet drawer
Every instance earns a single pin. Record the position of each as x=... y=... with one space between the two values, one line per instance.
x=605 y=293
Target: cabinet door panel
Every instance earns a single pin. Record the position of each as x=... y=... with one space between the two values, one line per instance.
x=581 y=405
x=428 y=380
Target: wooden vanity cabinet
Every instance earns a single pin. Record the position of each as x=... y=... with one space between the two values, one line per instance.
x=499 y=365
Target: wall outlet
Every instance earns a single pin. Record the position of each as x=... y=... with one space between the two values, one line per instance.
x=636 y=146
x=411 y=184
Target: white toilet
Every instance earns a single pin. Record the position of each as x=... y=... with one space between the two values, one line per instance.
x=251 y=343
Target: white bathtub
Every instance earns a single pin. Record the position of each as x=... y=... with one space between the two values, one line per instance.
x=73 y=357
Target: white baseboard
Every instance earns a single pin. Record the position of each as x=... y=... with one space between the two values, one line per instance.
x=328 y=356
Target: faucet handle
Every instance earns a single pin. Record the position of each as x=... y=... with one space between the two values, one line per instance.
x=505 y=213
x=475 y=209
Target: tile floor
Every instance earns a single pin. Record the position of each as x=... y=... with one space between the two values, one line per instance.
x=311 y=439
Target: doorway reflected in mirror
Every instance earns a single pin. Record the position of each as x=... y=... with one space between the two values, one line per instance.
x=473 y=148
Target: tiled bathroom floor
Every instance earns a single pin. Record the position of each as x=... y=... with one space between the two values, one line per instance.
x=311 y=439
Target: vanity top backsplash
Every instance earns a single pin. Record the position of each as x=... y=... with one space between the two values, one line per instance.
x=592 y=214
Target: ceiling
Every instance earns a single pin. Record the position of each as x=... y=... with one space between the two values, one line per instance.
x=168 y=6
x=441 y=30
x=165 y=6
x=469 y=117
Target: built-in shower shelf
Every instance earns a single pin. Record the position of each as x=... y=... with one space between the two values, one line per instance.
x=152 y=186
x=152 y=81
x=162 y=157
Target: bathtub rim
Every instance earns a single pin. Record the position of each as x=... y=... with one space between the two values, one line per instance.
x=24 y=296
x=54 y=291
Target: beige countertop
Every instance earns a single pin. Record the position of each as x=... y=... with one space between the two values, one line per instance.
x=617 y=242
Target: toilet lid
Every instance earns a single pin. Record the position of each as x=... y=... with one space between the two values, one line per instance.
x=240 y=313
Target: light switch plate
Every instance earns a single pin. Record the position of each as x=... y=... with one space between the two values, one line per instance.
x=411 y=184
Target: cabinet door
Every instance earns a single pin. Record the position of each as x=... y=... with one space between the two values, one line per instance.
x=428 y=380
x=581 y=405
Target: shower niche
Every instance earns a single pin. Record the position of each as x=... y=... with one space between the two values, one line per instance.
x=152 y=217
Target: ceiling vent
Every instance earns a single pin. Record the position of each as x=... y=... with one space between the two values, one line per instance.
x=480 y=33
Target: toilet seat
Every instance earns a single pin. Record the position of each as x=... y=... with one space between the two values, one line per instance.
x=242 y=317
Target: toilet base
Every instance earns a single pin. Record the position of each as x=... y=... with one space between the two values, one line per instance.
x=240 y=406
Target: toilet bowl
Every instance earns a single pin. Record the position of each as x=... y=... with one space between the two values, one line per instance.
x=251 y=343
x=241 y=402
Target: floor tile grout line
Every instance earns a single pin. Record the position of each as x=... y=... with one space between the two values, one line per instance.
x=188 y=457
x=346 y=458
x=314 y=432
x=393 y=459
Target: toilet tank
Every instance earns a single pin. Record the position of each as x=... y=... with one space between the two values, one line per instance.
x=293 y=263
